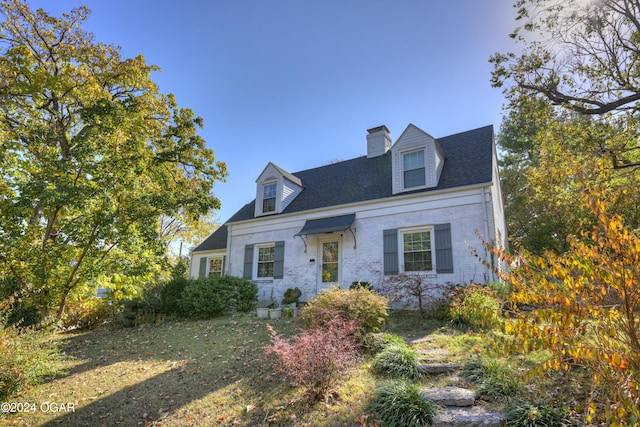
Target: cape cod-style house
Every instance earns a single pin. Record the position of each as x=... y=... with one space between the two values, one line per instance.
x=414 y=206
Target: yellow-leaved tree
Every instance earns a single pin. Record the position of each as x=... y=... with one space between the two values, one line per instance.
x=583 y=307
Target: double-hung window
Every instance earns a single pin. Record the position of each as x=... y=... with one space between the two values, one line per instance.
x=413 y=169
x=269 y=197
x=216 y=266
x=416 y=250
x=266 y=261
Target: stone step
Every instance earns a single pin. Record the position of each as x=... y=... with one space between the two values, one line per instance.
x=450 y=396
x=439 y=368
x=473 y=416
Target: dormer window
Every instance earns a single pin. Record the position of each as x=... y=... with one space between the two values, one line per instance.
x=413 y=169
x=269 y=192
x=275 y=189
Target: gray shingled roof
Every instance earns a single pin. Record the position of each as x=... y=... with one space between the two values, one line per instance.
x=468 y=161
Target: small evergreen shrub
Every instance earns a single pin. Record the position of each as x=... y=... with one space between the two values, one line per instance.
x=397 y=360
x=398 y=403
x=491 y=377
x=367 y=308
x=170 y=294
x=89 y=312
x=534 y=414
x=245 y=292
x=316 y=358
x=206 y=297
x=475 y=306
x=291 y=296
x=375 y=342
x=140 y=311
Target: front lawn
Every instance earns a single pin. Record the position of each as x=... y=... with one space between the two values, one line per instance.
x=207 y=372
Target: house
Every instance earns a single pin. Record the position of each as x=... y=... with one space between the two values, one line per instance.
x=414 y=206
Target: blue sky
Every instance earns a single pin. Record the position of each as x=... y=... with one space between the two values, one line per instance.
x=299 y=82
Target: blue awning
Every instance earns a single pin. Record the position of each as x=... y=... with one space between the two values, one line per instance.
x=327 y=225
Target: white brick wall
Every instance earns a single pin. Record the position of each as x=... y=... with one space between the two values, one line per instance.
x=462 y=209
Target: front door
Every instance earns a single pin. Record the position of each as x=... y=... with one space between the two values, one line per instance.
x=329 y=268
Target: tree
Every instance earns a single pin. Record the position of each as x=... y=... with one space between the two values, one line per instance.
x=92 y=155
x=582 y=308
x=543 y=150
x=583 y=56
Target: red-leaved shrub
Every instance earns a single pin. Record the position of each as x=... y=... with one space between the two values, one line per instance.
x=315 y=358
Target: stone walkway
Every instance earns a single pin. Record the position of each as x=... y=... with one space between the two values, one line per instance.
x=458 y=404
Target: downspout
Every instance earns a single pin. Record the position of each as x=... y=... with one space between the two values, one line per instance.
x=229 y=240
x=485 y=218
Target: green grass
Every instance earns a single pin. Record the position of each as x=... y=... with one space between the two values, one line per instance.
x=211 y=373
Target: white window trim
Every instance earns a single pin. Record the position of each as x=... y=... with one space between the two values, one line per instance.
x=209 y=259
x=407 y=230
x=256 y=256
x=260 y=196
x=424 y=155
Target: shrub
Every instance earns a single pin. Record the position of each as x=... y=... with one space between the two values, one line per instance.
x=315 y=358
x=205 y=297
x=397 y=361
x=475 y=306
x=245 y=292
x=140 y=311
x=88 y=313
x=375 y=342
x=367 y=308
x=361 y=285
x=491 y=378
x=291 y=296
x=398 y=404
x=537 y=414
x=170 y=294
x=27 y=356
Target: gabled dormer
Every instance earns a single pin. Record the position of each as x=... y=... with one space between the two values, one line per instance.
x=275 y=189
x=417 y=161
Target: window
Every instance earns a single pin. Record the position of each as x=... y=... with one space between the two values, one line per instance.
x=416 y=250
x=266 y=261
x=413 y=169
x=269 y=197
x=215 y=266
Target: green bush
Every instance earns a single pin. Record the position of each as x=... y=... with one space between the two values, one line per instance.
x=291 y=296
x=399 y=404
x=140 y=311
x=491 y=377
x=367 y=308
x=245 y=292
x=88 y=313
x=375 y=342
x=534 y=414
x=170 y=294
x=476 y=306
x=206 y=297
x=397 y=360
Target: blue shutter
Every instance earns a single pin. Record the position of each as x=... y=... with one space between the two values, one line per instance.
x=202 y=271
x=248 y=262
x=444 y=251
x=278 y=265
x=224 y=265
x=390 y=247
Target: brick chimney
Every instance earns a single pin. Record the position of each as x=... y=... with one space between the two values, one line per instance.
x=378 y=141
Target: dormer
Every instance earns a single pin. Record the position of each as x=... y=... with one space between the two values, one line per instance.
x=275 y=189
x=417 y=161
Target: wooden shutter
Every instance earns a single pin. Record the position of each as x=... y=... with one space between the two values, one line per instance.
x=202 y=271
x=444 y=251
x=390 y=247
x=248 y=262
x=278 y=265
